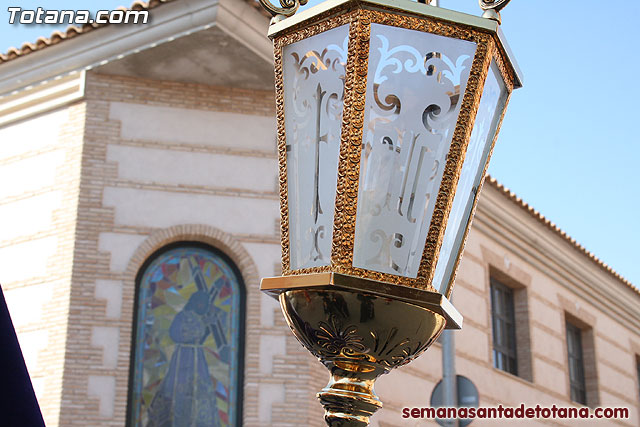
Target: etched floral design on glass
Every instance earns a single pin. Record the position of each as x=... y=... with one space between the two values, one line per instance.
x=411 y=109
x=492 y=103
x=313 y=73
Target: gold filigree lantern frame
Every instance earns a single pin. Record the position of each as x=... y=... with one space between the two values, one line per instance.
x=387 y=113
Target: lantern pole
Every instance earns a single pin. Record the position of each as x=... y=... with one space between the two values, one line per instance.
x=449 y=380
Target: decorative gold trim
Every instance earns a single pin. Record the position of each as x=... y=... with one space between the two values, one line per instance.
x=508 y=79
x=350 y=146
x=330 y=8
x=348 y=176
x=282 y=154
x=279 y=44
x=434 y=301
x=455 y=157
x=360 y=21
x=501 y=57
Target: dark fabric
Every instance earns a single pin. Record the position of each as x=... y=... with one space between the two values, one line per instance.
x=18 y=403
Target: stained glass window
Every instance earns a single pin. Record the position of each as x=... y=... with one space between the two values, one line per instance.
x=187 y=355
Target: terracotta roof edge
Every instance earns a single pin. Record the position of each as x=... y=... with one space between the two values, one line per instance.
x=553 y=227
x=71 y=31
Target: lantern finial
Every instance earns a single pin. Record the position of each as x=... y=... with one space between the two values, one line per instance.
x=286 y=9
x=492 y=8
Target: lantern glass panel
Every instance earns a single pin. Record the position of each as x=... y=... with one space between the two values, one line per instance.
x=313 y=73
x=414 y=93
x=492 y=103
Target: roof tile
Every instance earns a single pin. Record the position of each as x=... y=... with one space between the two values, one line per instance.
x=553 y=227
x=71 y=32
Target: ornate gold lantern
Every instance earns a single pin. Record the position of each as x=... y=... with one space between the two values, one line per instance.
x=387 y=114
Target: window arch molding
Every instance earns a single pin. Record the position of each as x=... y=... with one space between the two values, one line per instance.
x=206 y=234
x=220 y=244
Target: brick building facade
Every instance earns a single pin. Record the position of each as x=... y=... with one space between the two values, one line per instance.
x=119 y=141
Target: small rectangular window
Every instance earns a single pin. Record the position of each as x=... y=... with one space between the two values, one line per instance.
x=576 y=364
x=638 y=373
x=504 y=328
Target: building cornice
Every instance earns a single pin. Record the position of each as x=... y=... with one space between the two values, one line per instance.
x=47 y=95
x=70 y=32
x=111 y=42
x=52 y=77
x=553 y=227
x=510 y=223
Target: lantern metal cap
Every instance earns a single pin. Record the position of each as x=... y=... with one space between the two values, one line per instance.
x=330 y=8
x=427 y=299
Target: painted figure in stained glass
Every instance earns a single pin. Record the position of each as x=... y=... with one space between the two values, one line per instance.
x=186 y=352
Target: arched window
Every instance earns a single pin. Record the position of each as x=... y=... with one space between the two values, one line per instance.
x=187 y=354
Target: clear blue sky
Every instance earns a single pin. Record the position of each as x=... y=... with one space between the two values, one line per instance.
x=569 y=145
